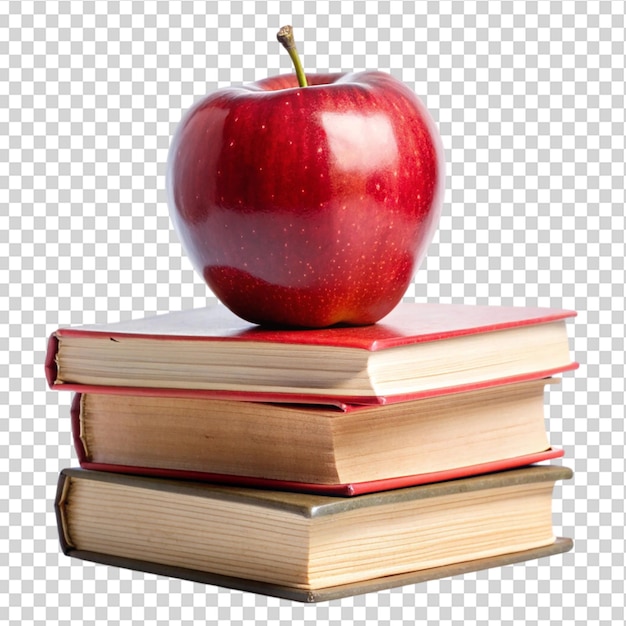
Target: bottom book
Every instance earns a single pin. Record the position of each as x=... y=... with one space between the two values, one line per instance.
x=308 y=547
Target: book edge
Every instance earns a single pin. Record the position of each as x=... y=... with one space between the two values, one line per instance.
x=560 y=545
x=341 y=401
x=340 y=489
x=316 y=505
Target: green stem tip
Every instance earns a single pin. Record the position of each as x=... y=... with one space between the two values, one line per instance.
x=285 y=36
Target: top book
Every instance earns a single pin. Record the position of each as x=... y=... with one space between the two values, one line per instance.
x=418 y=350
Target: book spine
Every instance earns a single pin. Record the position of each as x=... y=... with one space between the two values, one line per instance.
x=63 y=488
x=50 y=363
x=75 y=421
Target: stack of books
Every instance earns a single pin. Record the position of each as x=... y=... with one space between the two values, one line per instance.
x=312 y=464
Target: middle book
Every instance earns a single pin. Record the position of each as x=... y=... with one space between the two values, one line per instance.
x=337 y=448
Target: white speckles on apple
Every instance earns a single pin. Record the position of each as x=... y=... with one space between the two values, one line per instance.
x=231 y=144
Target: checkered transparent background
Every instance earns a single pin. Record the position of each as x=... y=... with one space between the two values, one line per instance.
x=529 y=98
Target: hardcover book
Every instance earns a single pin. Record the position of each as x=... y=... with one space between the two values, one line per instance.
x=326 y=449
x=308 y=547
x=417 y=350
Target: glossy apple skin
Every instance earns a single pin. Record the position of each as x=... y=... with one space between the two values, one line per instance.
x=307 y=207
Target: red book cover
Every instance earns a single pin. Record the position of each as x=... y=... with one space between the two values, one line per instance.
x=408 y=324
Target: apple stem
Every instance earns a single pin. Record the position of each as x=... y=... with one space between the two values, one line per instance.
x=285 y=36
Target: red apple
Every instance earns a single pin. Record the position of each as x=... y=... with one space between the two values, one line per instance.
x=307 y=206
